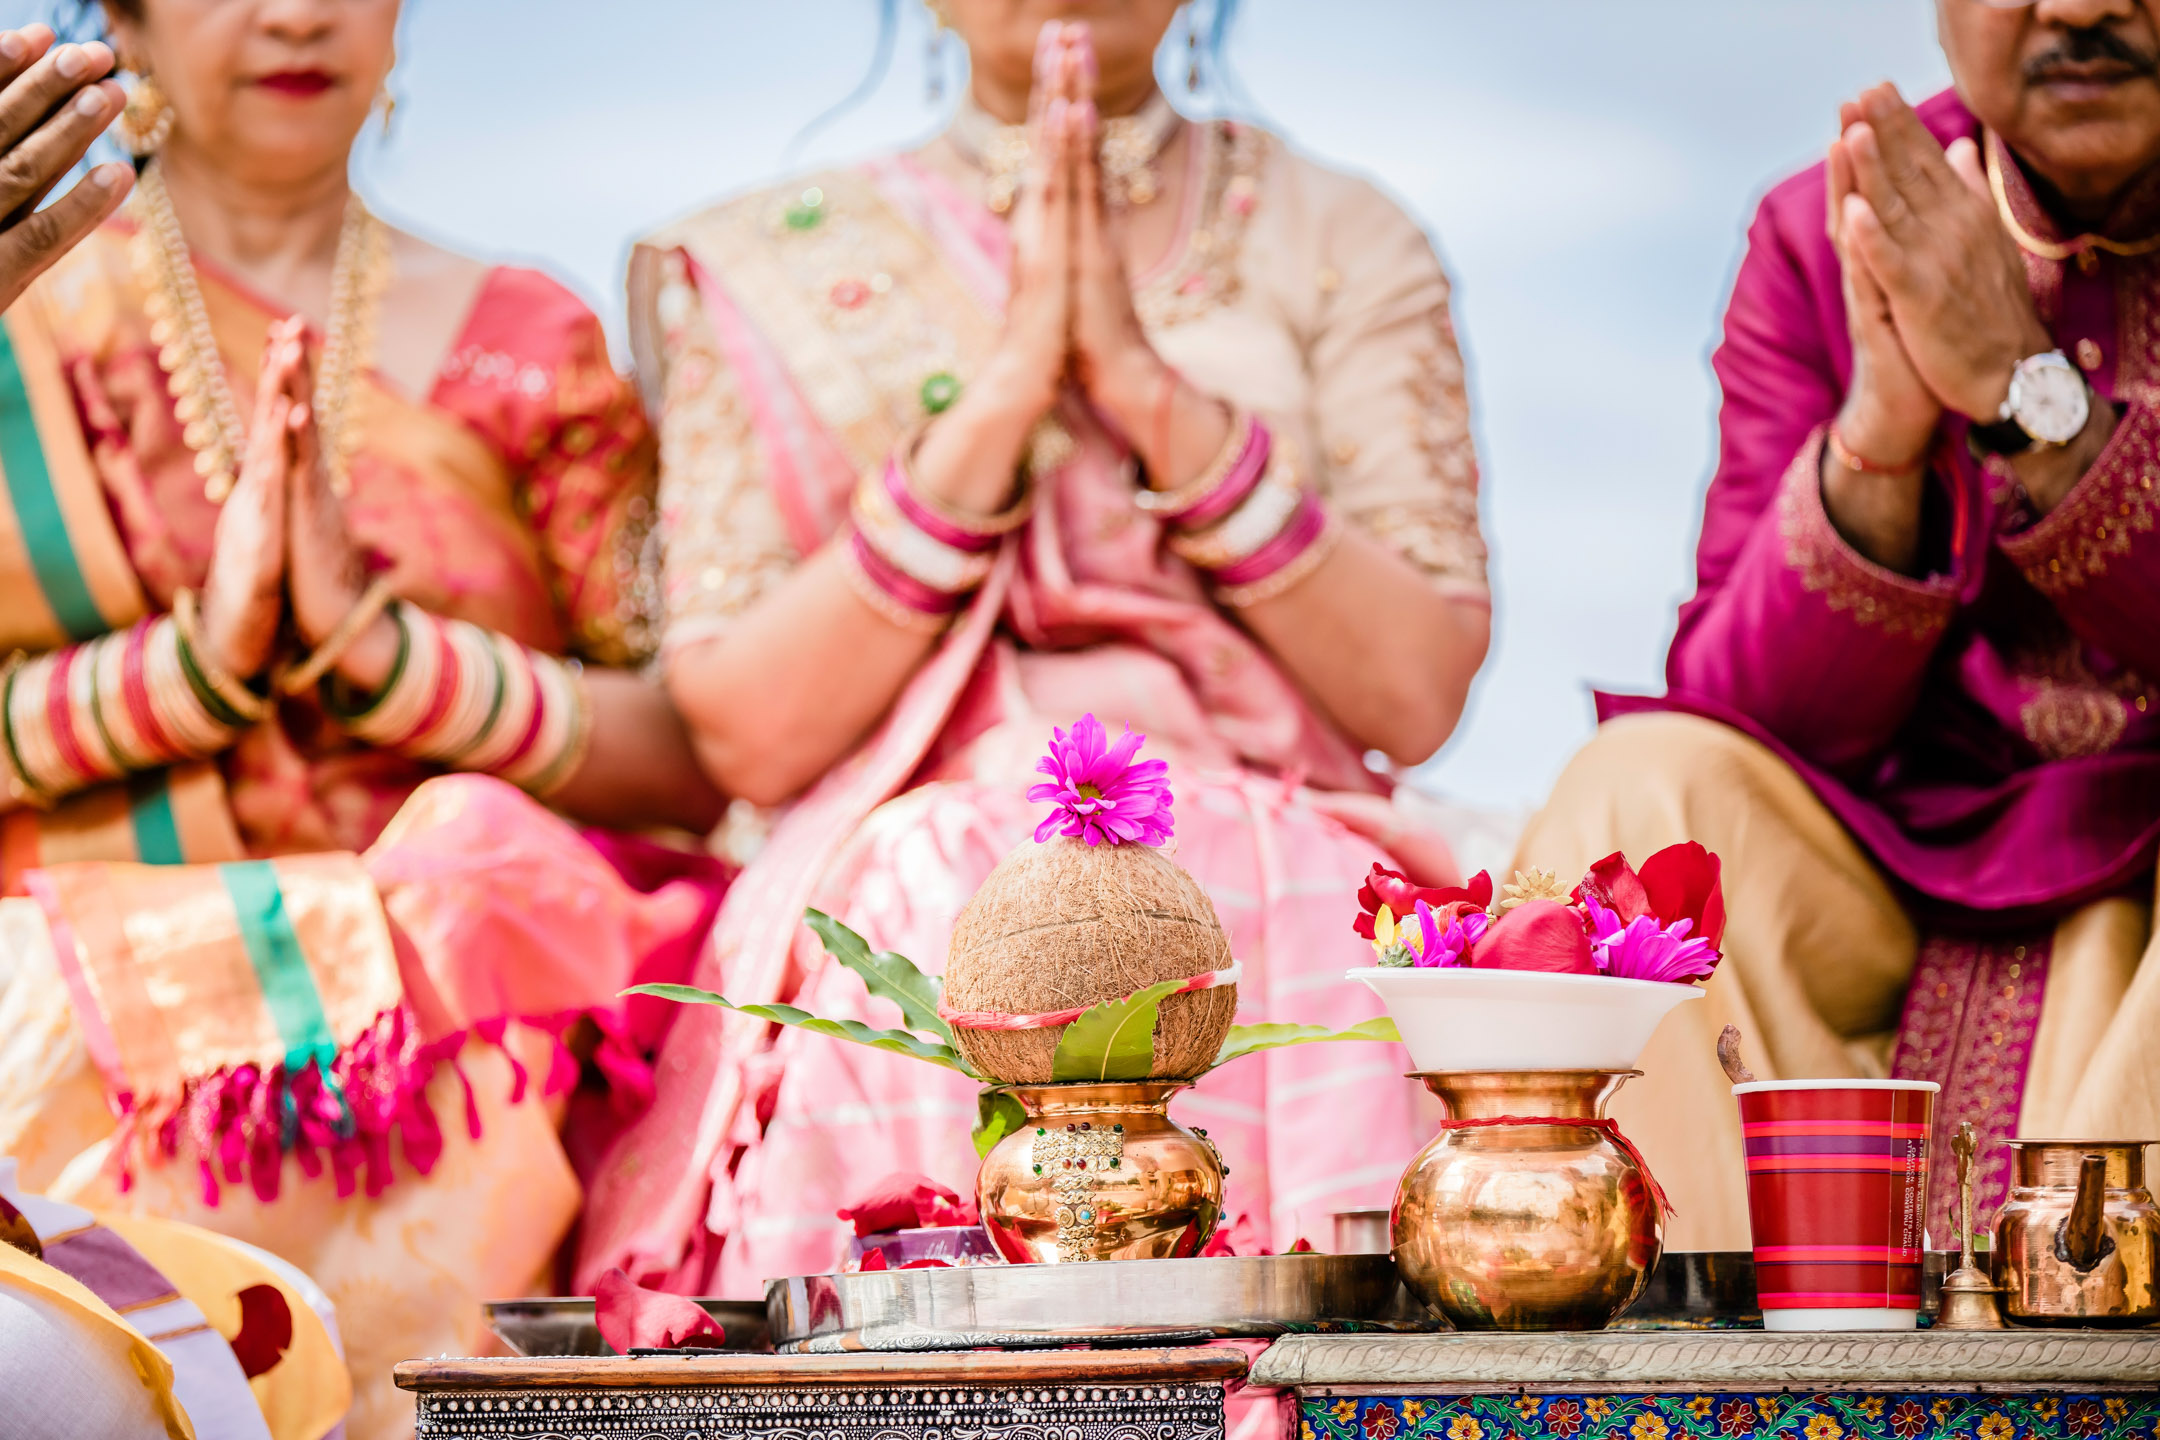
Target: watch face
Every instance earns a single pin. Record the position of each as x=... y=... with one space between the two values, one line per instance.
x=2048 y=399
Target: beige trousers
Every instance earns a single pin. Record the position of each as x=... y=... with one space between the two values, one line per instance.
x=1818 y=953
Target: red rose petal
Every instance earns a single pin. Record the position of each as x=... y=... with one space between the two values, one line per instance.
x=1537 y=935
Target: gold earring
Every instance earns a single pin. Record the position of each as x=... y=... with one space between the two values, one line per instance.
x=147 y=119
x=385 y=97
x=934 y=59
x=1192 y=48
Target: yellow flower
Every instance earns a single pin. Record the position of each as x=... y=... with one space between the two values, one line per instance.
x=1344 y=1410
x=1872 y=1407
x=1824 y=1427
x=1597 y=1409
x=1767 y=1406
x=1465 y=1427
x=1941 y=1410
x=1648 y=1426
x=1531 y=884
x=1413 y=1410
x=1996 y=1427
x=2046 y=1409
x=1699 y=1407
x=1526 y=1406
x=2117 y=1407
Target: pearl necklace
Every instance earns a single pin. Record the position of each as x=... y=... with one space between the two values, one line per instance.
x=187 y=346
x=1130 y=146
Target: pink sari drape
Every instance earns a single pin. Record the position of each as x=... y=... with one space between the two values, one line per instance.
x=754 y=1140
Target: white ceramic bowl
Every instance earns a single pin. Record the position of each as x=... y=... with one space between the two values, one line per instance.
x=1454 y=1018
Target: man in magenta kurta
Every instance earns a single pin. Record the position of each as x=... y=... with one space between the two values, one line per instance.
x=1928 y=581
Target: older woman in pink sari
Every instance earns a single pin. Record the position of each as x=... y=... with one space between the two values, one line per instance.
x=1129 y=415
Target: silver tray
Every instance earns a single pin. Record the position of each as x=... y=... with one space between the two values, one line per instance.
x=1133 y=1302
x=563 y=1325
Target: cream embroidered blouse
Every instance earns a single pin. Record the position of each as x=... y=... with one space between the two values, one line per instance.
x=1294 y=290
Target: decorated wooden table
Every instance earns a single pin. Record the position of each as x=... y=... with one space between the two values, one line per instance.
x=1722 y=1385
x=1155 y=1394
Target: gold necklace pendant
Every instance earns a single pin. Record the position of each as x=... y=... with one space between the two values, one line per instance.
x=1131 y=144
x=194 y=368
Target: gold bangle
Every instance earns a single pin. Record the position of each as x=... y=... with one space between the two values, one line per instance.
x=236 y=697
x=14 y=784
x=364 y=612
x=1011 y=518
x=1193 y=491
x=1239 y=597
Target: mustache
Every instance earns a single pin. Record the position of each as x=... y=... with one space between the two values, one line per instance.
x=2085 y=47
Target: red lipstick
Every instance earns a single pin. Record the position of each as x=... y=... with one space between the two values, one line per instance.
x=300 y=84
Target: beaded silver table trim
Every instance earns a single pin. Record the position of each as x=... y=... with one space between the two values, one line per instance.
x=1049 y=1412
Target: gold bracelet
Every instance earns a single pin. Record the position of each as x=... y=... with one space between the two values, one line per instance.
x=310 y=671
x=235 y=696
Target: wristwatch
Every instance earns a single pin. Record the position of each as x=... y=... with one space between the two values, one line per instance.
x=2048 y=405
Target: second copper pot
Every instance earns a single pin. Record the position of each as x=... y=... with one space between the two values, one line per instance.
x=1526 y=1227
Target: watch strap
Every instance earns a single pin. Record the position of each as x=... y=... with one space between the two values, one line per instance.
x=1999 y=437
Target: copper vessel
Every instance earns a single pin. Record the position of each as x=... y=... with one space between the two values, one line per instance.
x=1526 y=1227
x=1100 y=1172
x=2079 y=1234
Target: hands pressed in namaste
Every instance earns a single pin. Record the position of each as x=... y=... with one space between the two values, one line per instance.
x=281 y=544
x=54 y=100
x=1070 y=314
x=1939 y=314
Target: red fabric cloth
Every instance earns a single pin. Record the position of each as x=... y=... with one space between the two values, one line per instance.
x=907 y=1202
x=632 y=1317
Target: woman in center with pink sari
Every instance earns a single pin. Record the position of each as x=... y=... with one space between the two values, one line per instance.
x=1059 y=414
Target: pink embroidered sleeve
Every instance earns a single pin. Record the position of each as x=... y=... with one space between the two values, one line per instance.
x=532 y=373
x=1789 y=625
x=2096 y=555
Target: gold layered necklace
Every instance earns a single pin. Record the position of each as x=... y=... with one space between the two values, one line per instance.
x=2078 y=249
x=187 y=346
x=1131 y=144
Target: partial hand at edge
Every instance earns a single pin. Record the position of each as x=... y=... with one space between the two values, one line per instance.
x=53 y=104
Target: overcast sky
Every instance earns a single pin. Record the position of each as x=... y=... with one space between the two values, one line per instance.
x=1587 y=169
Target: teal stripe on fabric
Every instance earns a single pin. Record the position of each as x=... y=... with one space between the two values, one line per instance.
x=274 y=950
x=157 y=836
x=37 y=508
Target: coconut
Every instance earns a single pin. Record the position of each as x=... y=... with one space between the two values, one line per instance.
x=1065 y=924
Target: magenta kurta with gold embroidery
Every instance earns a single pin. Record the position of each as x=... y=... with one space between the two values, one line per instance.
x=1985 y=730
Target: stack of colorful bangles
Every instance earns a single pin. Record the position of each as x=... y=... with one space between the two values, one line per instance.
x=136 y=699
x=1247 y=520
x=151 y=695
x=915 y=561
x=463 y=696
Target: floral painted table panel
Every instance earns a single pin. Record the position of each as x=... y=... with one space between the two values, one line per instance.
x=1729 y=1385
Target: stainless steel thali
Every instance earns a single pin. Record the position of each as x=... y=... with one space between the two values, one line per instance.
x=564 y=1325
x=1107 y=1302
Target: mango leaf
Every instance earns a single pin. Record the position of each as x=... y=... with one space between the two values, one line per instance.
x=1113 y=1041
x=1245 y=1039
x=886 y=975
x=998 y=1115
x=897 y=1042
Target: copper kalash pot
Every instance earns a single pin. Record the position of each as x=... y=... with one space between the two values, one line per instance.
x=1100 y=1172
x=1509 y=1226
x=2079 y=1235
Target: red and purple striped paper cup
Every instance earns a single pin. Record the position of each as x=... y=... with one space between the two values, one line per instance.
x=1837 y=1197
